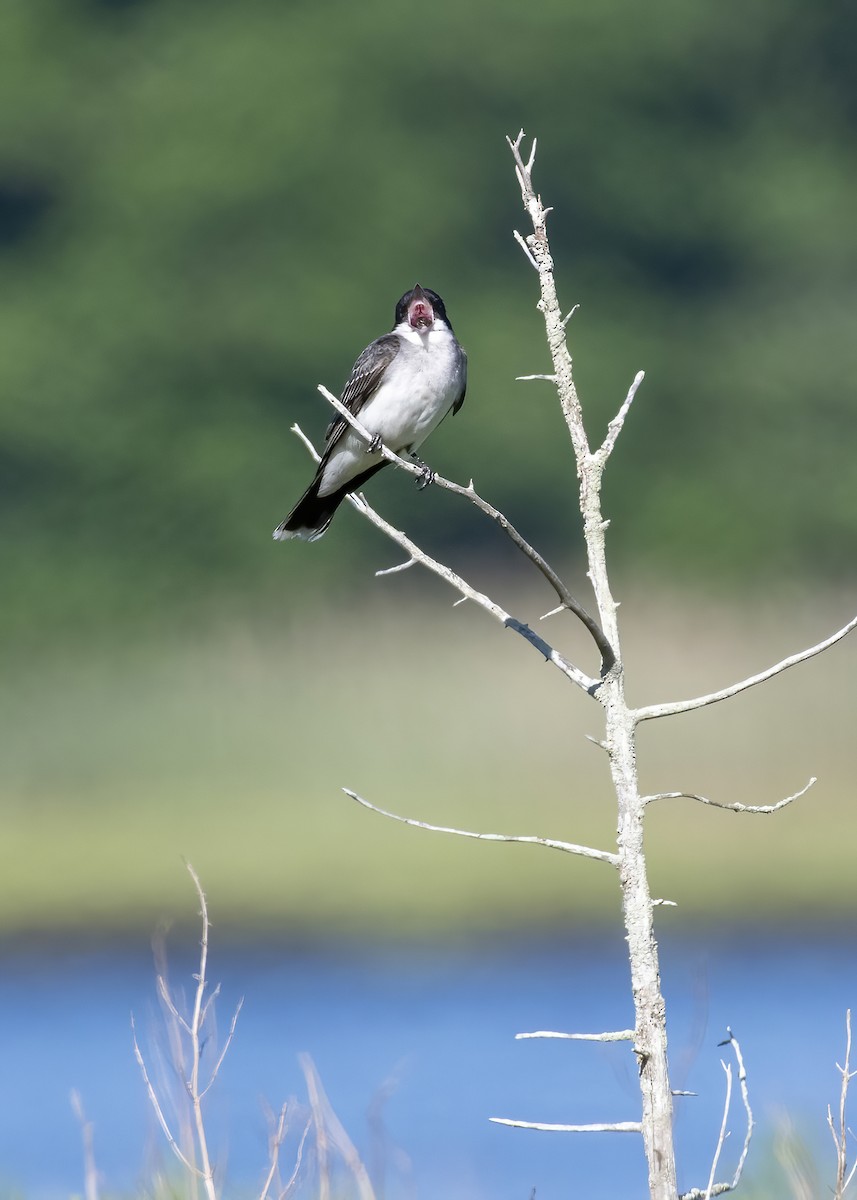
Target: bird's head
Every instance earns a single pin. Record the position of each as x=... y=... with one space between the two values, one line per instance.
x=420 y=308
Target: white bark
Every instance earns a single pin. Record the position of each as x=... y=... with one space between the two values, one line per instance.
x=650 y=1034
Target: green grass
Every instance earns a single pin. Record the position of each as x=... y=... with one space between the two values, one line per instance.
x=230 y=747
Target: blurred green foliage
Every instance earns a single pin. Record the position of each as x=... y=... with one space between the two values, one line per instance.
x=208 y=208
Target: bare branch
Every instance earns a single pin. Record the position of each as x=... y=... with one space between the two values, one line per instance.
x=840 y=1135
x=90 y=1171
x=723 y=1135
x=287 y=1190
x=411 y=562
x=329 y=1126
x=167 y=999
x=196 y=1021
x=615 y=426
x=526 y=249
x=615 y=1127
x=549 y=304
x=741 y=808
x=569 y=315
x=568 y=847
x=274 y=1145
x=207 y=1006
x=568 y=601
x=162 y=1121
x=745 y=1096
x=650 y=711
x=573 y=673
x=225 y=1049
x=718 y=1189
x=527 y=378
x=618 y=1035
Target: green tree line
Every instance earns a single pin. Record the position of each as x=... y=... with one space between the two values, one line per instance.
x=208 y=208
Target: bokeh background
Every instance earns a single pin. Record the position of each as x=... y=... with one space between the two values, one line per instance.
x=206 y=209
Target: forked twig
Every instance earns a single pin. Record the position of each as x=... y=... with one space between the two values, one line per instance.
x=615 y=426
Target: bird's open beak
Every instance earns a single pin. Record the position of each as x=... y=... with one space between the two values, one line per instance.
x=420 y=311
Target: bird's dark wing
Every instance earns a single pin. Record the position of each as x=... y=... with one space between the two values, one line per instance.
x=363 y=381
x=460 y=399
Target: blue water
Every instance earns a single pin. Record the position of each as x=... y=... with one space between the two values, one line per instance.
x=442 y=1023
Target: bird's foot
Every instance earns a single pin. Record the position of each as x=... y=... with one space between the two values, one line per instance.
x=426 y=476
x=374 y=444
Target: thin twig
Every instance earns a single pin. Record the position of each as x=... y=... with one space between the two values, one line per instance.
x=162 y=1121
x=583 y=681
x=618 y=1035
x=723 y=1134
x=187 y=1042
x=568 y=601
x=411 y=562
x=321 y=1147
x=287 y=1190
x=225 y=1049
x=651 y=711
x=840 y=1135
x=197 y=1016
x=90 y=1171
x=719 y=1189
x=328 y=1126
x=615 y=426
x=164 y=992
x=526 y=249
x=274 y=1145
x=537 y=243
x=745 y=1096
x=614 y=1127
x=740 y=808
x=568 y=847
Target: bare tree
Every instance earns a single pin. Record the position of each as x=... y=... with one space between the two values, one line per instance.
x=648 y=1038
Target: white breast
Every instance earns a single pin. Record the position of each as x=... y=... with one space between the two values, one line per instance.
x=419 y=388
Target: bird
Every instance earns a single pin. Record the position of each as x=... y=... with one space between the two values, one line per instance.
x=401 y=387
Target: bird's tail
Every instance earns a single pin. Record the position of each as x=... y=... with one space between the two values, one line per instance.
x=312 y=514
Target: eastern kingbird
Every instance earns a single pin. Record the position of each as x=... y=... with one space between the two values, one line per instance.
x=401 y=388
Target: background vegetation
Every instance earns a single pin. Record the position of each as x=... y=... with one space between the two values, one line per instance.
x=206 y=209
